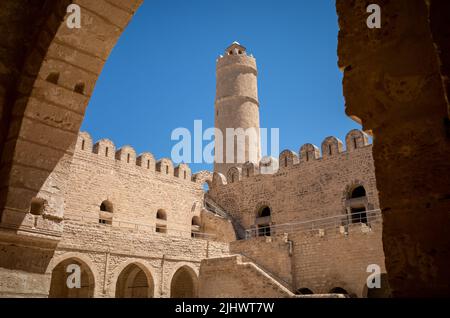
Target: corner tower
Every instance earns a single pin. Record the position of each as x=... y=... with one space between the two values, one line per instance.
x=236 y=107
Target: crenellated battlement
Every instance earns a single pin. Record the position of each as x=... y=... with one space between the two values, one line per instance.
x=126 y=155
x=288 y=159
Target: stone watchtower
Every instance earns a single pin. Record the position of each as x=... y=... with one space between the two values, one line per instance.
x=236 y=106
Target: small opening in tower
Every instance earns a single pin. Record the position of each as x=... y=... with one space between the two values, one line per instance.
x=53 y=78
x=106 y=152
x=230 y=53
x=355 y=142
x=185 y=174
x=167 y=169
x=240 y=52
x=329 y=150
x=79 y=88
x=148 y=164
x=128 y=158
x=82 y=144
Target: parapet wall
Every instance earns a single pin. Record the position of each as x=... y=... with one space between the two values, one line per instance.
x=307 y=185
x=134 y=188
x=126 y=155
x=308 y=153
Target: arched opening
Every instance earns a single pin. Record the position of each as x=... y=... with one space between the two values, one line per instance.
x=106 y=213
x=263 y=221
x=338 y=290
x=356 y=205
x=304 y=291
x=59 y=287
x=184 y=283
x=134 y=282
x=37 y=206
x=195 y=226
x=195 y=221
x=205 y=187
x=106 y=206
x=161 y=221
x=358 y=192
x=161 y=215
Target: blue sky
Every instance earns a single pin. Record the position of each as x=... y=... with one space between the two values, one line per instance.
x=161 y=74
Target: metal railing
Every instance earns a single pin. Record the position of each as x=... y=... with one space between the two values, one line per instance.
x=156 y=229
x=212 y=206
x=339 y=222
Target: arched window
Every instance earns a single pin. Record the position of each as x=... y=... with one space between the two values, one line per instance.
x=195 y=228
x=196 y=221
x=106 y=213
x=161 y=215
x=265 y=211
x=161 y=221
x=263 y=221
x=37 y=206
x=106 y=206
x=358 y=192
x=357 y=204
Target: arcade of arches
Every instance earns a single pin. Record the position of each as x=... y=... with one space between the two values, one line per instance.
x=134 y=281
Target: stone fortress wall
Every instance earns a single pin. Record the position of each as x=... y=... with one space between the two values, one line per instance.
x=309 y=241
x=122 y=249
x=112 y=225
x=125 y=249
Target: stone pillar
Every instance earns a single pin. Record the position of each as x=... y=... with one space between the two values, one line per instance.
x=395 y=84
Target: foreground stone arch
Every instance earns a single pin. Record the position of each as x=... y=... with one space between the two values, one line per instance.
x=48 y=106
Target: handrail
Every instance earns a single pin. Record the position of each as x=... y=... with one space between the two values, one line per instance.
x=215 y=208
x=332 y=222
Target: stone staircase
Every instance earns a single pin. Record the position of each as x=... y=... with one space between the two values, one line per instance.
x=222 y=277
